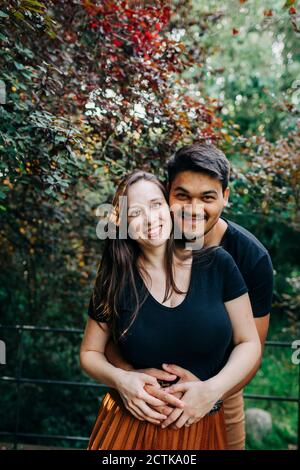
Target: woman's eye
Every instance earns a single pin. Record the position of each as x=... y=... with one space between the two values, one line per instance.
x=156 y=204
x=134 y=213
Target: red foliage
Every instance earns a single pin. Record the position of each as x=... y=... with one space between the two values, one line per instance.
x=268 y=13
x=137 y=28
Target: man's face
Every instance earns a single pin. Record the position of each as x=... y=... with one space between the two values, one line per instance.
x=197 y=201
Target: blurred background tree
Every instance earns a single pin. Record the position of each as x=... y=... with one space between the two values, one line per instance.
x=90 y=90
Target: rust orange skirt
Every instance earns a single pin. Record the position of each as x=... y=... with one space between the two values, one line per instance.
x=116 y=429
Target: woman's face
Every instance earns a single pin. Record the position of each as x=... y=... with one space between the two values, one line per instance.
x=149 y=219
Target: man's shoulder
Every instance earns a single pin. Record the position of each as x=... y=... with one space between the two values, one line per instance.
x=243 y=239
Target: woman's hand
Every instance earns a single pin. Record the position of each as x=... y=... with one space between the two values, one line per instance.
x=169 y=373
x=199 y=397
x=131 y=386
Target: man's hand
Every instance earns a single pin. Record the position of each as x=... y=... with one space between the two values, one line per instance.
x=183 y=374
x=171 y=372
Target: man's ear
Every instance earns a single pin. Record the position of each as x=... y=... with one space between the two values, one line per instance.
x=226 y=195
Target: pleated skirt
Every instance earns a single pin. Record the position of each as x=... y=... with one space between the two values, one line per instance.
x=116 y=428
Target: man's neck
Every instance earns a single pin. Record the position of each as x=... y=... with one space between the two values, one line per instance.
x=215 y=235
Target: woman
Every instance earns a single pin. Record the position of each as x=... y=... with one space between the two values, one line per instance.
x=172 y=318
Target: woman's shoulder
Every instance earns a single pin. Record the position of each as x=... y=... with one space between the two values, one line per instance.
x=224 y=257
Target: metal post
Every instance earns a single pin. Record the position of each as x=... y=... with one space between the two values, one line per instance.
x=18 y=381
x=298 y=437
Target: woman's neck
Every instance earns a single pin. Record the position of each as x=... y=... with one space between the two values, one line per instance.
x=154 y=257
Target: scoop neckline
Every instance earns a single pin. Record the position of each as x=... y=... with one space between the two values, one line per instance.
x=165 y=307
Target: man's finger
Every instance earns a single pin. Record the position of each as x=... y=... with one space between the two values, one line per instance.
x=161 y=394
x=160 y=374
x=153 y=401
x=180 y=372
x=172 y=400
x=165 y=410
x=180 y=387
x=173 y=369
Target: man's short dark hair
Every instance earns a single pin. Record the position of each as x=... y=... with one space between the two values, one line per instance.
x=202 y=158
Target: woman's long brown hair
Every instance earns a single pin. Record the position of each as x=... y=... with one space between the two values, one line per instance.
x=118 y=266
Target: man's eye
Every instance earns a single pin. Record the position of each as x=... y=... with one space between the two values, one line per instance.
x=181 y=196
x=208 y=198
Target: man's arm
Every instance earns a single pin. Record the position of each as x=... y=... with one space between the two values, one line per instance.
x=262 y=325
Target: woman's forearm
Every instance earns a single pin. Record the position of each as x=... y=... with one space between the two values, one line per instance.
x=96 y=366
x=114 y=356
x=240 y=363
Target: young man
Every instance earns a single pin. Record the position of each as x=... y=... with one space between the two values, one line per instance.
x=198 y=179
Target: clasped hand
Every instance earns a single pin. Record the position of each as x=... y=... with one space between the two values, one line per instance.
x=197 y=396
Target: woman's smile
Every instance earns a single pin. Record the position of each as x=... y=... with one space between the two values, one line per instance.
x=155 y=232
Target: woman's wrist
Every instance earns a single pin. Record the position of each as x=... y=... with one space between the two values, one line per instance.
x=216 y=387
x=119 y=376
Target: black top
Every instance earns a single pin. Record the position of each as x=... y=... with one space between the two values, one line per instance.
x=196 y=334
x=254 y=263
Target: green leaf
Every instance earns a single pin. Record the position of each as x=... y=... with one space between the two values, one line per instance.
x=3 y=15
x=289 y=3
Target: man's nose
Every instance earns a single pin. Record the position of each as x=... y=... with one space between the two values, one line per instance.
x=197 y=207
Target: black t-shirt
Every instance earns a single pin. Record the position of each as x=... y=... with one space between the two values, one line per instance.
x=254 y=263
x=196 y=334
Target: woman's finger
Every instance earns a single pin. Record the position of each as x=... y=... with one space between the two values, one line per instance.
x=181 y=421
x=136 y=411
x=173 y=417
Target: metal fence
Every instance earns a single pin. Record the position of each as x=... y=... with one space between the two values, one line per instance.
x=19 y=380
